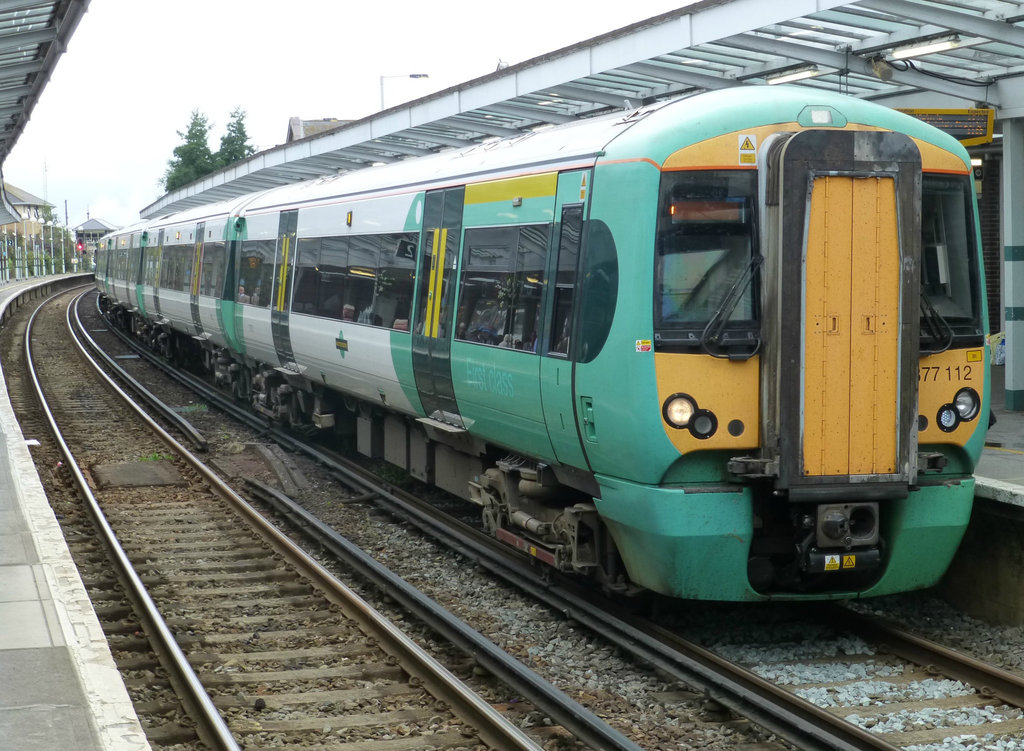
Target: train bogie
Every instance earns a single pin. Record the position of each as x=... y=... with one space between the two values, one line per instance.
x=728 y=347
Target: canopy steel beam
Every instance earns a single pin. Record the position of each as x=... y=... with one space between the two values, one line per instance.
x=965 y=23
x=855 y=64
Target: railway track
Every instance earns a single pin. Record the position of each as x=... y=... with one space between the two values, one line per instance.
x=268 y=649
x=756 y=690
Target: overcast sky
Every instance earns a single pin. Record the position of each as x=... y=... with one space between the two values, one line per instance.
x=108 y=121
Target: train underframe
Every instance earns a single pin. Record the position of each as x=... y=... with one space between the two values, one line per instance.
x=769 y=547
x=522 y=502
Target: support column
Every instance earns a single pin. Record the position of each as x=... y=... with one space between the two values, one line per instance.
x=1013 y=260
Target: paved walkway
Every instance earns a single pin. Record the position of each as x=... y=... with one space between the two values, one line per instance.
x=1003 y=457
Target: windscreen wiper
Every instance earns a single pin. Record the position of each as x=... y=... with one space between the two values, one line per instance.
x=712 y=334
x=933 y=324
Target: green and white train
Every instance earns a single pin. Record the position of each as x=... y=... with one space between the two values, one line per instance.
x=726 y=347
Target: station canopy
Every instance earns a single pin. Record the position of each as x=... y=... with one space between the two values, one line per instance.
x=956 y=54
x=33 y=36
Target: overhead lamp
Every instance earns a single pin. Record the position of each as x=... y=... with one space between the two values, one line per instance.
x=404 y=75
x=926 y=48
x=794 y=75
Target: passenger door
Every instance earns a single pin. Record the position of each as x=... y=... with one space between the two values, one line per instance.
x=431 y=336
x=557 y=366
x=197 y=272
x=280 y=300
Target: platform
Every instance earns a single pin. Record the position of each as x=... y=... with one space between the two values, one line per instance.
x=1000 y=473
x=60 y=686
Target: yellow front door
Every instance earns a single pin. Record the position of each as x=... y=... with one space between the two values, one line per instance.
x=851 y=328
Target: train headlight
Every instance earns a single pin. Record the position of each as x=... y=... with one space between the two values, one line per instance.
x=967 y=404
x=679 y=410
x=948 y=418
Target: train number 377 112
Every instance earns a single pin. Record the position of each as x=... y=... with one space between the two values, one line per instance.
x=949 y=373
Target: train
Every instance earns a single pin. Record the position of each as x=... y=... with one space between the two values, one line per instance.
x=727 y=346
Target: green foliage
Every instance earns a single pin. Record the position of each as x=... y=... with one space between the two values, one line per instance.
x=234 y=144
x=193 y=159
x=155 y=457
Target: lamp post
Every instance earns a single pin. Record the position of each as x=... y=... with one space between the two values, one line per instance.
x=22 y=271
x=53 y=265
x=406 y=75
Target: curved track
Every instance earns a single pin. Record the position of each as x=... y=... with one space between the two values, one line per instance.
x=735 y=686
x=269 y=649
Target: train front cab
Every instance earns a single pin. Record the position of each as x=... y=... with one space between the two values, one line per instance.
x=852 y=339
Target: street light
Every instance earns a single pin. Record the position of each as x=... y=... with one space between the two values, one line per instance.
x=407 y=75
x=53 y=251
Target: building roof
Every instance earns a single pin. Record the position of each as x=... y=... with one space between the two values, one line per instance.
x=856 y=48
x=299 y=128
x=19 y=197
x=94 y=225
x=33 y=36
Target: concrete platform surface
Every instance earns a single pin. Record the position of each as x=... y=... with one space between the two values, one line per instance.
x=1001 y=468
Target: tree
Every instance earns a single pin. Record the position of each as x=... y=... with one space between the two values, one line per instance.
x=234 y=144
x=192 y=159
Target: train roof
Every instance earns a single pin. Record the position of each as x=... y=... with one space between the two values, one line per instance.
x=685 y=119
x=682 y=120
x=553 y=147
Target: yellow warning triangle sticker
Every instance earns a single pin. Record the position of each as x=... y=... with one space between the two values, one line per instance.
x=746 y=145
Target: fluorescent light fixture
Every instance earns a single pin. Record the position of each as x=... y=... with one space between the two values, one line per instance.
x=794 y=75
x=926 y=48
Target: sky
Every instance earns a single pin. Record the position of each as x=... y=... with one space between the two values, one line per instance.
x=108 y=121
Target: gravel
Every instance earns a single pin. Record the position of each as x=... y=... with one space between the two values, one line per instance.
x=775 y=641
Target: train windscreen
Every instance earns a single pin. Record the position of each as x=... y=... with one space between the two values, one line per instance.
x=950 y=304
x=706 y=259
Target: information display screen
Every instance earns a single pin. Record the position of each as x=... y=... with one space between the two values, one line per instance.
x=970 y=127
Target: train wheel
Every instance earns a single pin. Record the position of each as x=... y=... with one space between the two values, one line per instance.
x=242 y=385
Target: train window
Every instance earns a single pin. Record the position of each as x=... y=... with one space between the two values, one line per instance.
x=393 y=285
x=135 y=260
x=949 y=274
x=177 y=271
x=211 y=282
x=347 y=271
x=362 y=278
x=152 y=263
x=362 y=272
x=705 y=255
x=530 y=263
x=307 y=256
x=256 y=271
x=570 y=235
x=500 y=288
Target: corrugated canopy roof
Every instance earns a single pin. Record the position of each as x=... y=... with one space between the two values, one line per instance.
x=33 y=36
x=873 y=49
